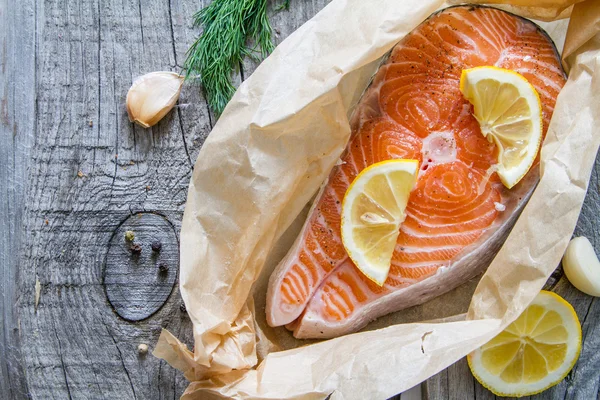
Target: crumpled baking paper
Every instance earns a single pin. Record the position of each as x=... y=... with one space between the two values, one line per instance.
x=265 y=159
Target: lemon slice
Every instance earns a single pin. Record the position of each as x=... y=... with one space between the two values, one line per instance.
x=372 y=211
x=533 y=353
x=509 y=112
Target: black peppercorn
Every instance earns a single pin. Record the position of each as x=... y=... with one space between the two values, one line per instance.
x=156 y=245
x=163 y=268
x=182 y=307
x=135 y=248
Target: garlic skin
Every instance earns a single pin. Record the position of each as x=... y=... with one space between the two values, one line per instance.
x=152 y=96
x=582 y=267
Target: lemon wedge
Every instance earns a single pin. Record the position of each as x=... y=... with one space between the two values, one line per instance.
x=372 y=211
x=533 y=353
x=509 y=112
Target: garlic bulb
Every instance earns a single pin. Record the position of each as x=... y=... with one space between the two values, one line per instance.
x=152 y=96
x=582 y=267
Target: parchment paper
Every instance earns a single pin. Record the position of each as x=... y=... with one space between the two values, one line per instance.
x=267 y=156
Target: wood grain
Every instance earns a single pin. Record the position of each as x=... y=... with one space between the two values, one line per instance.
x=17 y=125
x=88 y=53
x=75 y=172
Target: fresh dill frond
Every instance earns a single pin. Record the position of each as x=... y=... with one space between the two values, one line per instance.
x=228 y=26
x=260 y=28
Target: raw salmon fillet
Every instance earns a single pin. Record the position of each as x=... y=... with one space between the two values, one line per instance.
x=458 y=214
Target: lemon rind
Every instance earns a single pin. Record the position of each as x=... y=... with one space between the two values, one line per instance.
x=413 y=169
x=510 y=183
x=557 y=380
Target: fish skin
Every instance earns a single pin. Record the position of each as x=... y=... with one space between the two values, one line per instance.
x=334 y=298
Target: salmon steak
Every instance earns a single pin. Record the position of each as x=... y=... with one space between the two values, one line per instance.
x=458 y=214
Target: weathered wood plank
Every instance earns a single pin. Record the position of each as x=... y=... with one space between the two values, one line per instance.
x=17 y=124
x=584 y=380
x=74 y=345
x=66 y=68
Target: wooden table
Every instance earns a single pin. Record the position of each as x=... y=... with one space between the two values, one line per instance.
x=76 y=174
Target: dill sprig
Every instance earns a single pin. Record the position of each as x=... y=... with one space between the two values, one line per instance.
x=228 y=28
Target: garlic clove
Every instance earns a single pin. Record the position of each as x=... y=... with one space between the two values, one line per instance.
x=582 y=267
x=152 y=96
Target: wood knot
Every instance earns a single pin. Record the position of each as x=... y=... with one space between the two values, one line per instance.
x=141 y=265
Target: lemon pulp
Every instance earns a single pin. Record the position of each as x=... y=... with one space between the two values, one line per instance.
x=509 y=112
x=372 y=211
x=533 y=353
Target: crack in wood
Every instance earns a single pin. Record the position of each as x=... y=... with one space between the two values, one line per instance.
x=178 y=108
x=62 y=362
x=187 y=153
x=172 y=32
x=159 y=378
x=120 y=357
x=116 y=158
x=209 y=112
x=588 y=310
x=141 y=25
x=241 y=68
